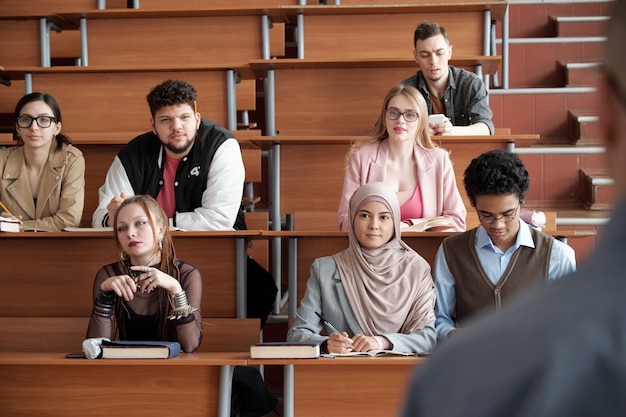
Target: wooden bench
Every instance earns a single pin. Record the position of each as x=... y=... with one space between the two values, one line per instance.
x=340 y=32
x=99 y=156
x=65 y=334
x=99 y=102
x=343 y=96
x=19 y=42
x=150 y=38
x=327 y=220
x=496 y=8
x=311 y=168
x=57 y=271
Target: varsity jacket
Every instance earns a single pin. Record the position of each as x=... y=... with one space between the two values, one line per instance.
x=208 y=182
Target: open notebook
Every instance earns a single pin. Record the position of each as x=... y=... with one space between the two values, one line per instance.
x=372 y=352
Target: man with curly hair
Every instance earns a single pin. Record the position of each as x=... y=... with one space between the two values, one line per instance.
x=487 y=266
x=192 y=166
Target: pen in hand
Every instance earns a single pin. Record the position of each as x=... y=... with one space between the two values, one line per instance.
x=333 y=329
x=327 y=323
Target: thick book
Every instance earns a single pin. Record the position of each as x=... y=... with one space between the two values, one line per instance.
x=285 y=350
x=133 y=349
x=10 y=224
x=372 y=352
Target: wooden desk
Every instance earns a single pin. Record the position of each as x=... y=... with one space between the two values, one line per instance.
x=55 y=271
x=38 y=384
x=344 y=386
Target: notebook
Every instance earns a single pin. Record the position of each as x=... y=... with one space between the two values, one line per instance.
x=372 y=352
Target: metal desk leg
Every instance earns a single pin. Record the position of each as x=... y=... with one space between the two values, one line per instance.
x=226 y=385
x=292 y=263
x=241 y=287
x=288 y=388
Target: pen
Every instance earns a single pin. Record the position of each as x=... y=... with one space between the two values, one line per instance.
x=327 y=323
x=5 y=209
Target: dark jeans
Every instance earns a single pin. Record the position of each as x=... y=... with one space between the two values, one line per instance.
x=250 y=396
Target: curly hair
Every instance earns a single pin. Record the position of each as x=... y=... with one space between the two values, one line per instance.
x=169 y=93
x=496 y=172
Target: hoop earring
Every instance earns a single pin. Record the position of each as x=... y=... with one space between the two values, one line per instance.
x=123 y=256
x=161 y=244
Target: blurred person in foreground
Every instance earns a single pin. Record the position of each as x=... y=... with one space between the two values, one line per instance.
x=561 y=349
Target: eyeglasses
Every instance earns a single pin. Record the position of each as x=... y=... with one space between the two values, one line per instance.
x=42 y=121
x=506 y=218
x=409 y=116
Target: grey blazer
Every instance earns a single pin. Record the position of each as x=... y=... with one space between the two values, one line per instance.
x=325 y=294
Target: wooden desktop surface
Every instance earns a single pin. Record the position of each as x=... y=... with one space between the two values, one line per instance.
x=38 y=384
x=355 y=386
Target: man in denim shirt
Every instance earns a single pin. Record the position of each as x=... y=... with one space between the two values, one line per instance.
x=458 y=94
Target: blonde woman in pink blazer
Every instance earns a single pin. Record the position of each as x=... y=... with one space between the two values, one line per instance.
x=400 y=153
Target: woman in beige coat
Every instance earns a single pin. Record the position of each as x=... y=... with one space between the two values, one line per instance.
x=43 y=178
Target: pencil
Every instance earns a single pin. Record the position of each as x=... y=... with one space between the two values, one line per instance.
x=5 y=209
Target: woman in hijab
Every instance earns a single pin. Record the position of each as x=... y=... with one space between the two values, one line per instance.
x=376 y=294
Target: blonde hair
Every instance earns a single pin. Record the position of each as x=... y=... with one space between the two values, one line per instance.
x=379 y=132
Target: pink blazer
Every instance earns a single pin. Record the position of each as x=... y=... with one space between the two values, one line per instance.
x=440 y=195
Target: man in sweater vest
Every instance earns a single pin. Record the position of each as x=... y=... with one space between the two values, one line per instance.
x=484 y=267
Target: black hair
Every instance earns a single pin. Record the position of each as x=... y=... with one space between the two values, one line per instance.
x=169 y=93
x=51 y=102
x=496 y=172
x=427 y=30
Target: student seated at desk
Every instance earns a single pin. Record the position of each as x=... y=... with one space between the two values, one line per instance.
x=401 y=153
x=43 y=178
x=194 y=169
x=150 y=294
x=378 y=293
x=491 y=264
x=457 y=94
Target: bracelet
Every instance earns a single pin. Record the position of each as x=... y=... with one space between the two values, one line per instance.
x=180 y=299
x=103 y=310
x=181 y=313
x=180 y=306
x=106 y=297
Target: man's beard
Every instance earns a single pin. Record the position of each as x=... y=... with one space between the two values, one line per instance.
x=180 y=150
